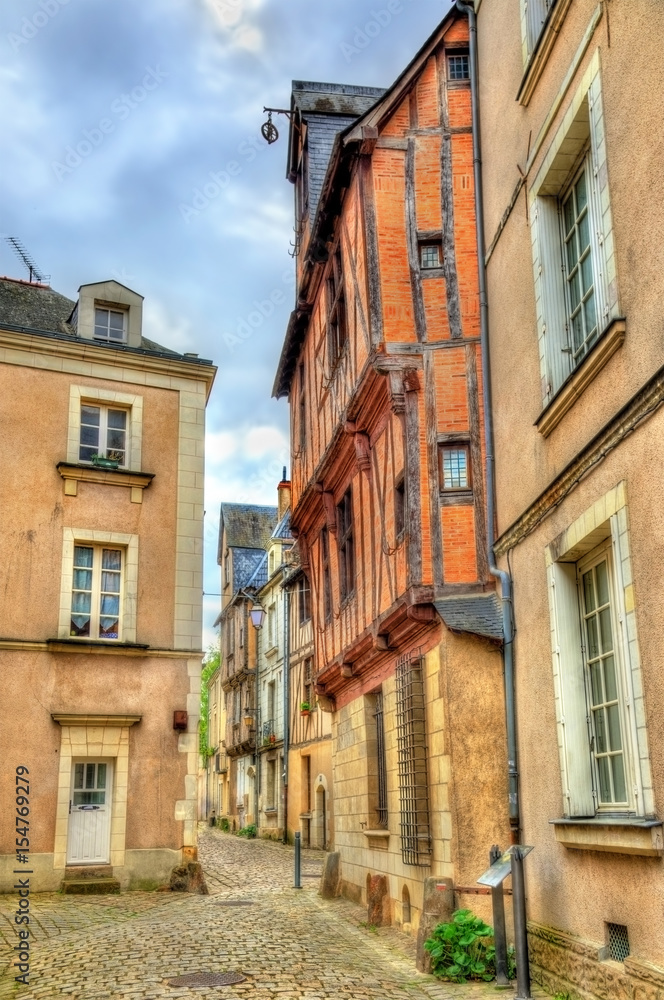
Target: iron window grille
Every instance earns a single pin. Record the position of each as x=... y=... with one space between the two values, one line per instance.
x=346 y=546
x=381 y=760
x=618 y=942
x=412 y=761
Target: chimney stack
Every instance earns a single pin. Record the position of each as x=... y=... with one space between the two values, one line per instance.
x=284 y=495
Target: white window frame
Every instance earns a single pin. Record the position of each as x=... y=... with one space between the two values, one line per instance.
x=129 y=593
x=107 y=308
x=580 y=134
x=604 y=524
x=102 y=448
x=80 y=395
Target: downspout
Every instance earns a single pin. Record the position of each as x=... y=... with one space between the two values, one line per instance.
x=287 y=595
x=257 y=759
x=502 y=575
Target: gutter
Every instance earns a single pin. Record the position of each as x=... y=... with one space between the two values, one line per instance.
x=500 y=574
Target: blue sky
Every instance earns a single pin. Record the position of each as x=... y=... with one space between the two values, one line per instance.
x=132 y=149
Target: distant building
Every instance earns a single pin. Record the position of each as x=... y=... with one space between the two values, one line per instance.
x=244 y=536
x=101 y=553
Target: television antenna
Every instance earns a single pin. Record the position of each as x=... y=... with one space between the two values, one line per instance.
x=27 y=261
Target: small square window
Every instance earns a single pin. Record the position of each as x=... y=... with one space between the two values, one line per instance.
x=430 y=255
x=110 y=325
x=457 y=66
x=454 y=467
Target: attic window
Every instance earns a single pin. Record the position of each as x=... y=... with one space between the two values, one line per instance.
x=457 y=66
x=110 y=325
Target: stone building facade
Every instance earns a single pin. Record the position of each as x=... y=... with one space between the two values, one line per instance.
x=101 y=549
x=381 y=364
x=574 y=210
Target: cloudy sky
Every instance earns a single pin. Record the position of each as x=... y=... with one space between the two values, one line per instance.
x=132 y=149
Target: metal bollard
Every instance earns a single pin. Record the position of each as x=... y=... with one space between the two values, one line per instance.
x=499 y=936
x=520 y=930
x=297 y=881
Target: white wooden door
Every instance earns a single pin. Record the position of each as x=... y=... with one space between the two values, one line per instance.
x=89 y=834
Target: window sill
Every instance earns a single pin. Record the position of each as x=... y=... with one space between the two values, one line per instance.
x=456 y=498
x=611 y=835
x=94 y=645
x=576 y=384
x=540 y=54
x=432 y=272
x=377 y=840
x=73 y=474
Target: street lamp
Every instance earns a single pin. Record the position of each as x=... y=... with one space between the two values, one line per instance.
x=257 y=615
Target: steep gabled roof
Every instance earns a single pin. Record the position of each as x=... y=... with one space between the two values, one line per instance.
x=337 y=178
x=247 y=526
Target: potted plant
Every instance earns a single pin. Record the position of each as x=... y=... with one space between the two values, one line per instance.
x=305 y=708
x=104 y=462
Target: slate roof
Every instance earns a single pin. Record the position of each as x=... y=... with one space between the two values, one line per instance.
x=480 y=614
x=327 y=109
x=258 y=578
x=282 y=530
x=39 y=309
x=247 y=526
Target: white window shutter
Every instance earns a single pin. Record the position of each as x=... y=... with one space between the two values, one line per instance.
x=552 y=292
x=577 y=776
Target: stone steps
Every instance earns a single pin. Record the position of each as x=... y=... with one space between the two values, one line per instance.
x=89 y=880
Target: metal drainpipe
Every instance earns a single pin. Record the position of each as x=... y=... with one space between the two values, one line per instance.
x=287 y=595
x=502 y=575
x=257 y=759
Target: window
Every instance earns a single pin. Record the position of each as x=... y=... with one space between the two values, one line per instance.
x=271 y=626
x=336 y=308
x=89 y=784
x=602 y=681
x=327 y=579
x=110 y=325
x=412 y=762
x=605 y=764
x=227 y=568
x=457 y=66
x=454 y=467
x=103 y=433
x=346 y=547
x=302 y=410
x=573 y=253
x=431 y=256
x=104 y=422
x=96 y=592
x=270 y=791
x=271 y=702
x=307 y=683
x=400 y=506
x=304 y=599
x=230 y=635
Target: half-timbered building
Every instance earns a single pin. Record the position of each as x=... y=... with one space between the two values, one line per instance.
x=381 y=365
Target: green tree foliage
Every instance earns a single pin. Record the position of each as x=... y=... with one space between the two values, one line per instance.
x=210 y=664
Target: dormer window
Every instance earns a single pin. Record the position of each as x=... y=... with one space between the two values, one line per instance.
x=110 y=325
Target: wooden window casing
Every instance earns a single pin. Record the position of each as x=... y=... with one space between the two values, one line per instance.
x=304 y=599
x=302 y=410
x=327 y=578
x=346 y=546
x=400 y=507
x=337 y=331
x=454 y=467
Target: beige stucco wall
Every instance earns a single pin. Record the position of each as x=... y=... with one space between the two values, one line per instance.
x=577 y=891
x=466 y=773
x=320 y=821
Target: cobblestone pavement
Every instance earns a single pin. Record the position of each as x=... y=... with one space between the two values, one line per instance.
x=290 y=944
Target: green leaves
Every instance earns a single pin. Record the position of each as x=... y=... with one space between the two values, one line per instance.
x=462 y=949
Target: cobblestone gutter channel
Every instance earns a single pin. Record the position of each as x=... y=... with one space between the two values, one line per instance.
x=290 y=944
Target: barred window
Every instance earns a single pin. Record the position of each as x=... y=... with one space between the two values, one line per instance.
x=412 y=762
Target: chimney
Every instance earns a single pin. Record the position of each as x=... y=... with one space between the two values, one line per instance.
x=283 y=494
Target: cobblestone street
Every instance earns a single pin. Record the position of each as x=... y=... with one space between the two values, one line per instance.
x=290 y=944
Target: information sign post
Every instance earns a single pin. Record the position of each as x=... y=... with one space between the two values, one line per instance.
x=511 y=863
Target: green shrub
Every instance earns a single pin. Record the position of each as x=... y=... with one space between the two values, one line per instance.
x=463 y=949
x=224 y=824
x=248 y=831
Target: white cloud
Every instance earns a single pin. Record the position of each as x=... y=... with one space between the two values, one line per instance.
x=160 y=325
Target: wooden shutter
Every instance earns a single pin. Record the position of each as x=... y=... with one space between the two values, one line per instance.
x=571 y=692
x=552 y=310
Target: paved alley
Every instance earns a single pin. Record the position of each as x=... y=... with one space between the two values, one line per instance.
x=289 y=944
